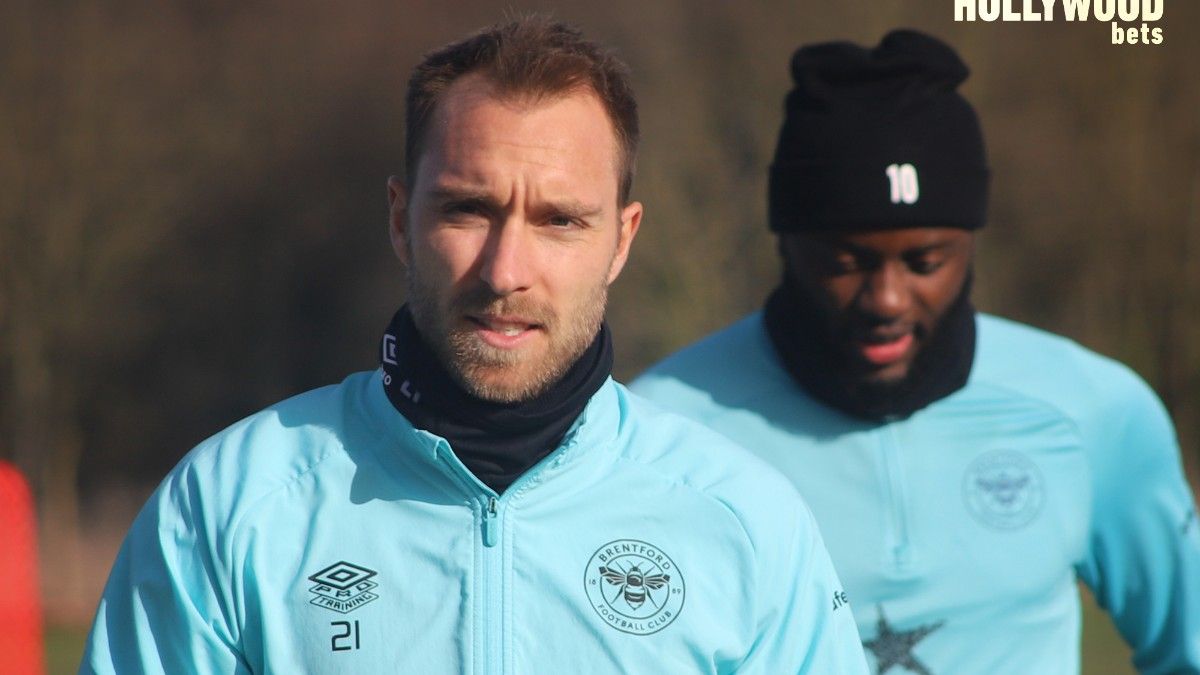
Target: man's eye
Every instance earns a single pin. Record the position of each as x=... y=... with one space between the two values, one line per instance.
x=463 y=209
x=924 y=265
x=561 y=221
x=843 y=264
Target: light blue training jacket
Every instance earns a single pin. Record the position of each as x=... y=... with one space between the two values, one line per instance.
x=326 y=535
x=961 y=531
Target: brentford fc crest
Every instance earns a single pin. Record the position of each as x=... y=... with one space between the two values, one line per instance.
x=1003 y=489
x=634 y=586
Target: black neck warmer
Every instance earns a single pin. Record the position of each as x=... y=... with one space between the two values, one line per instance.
x=496 y=441
x=940 y=368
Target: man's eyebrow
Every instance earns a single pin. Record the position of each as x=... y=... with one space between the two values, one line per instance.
x=450 y=194
x=929 y=248
x=572 y=208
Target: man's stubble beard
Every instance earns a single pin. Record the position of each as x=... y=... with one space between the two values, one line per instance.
x=877 y=394
x=501 y=375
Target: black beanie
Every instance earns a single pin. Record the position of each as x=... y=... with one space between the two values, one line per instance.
x=878 y=139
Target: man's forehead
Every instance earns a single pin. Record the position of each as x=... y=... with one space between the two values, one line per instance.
x=475 y=90
x=476 y=125
x=885 y=239
x=468 y=91
x=481 y=83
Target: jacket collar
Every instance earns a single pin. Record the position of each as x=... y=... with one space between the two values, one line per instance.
x=590 y=440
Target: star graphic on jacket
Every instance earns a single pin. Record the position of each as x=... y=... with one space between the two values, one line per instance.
x=894 y=648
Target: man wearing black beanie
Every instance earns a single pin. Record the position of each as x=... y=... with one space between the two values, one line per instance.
x=965 y=470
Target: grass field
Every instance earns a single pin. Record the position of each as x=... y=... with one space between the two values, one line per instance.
x=1103 y=651
x=64 y=648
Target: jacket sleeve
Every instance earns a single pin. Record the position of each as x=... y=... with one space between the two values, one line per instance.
x=166 y=606
x=804 y=622
x=1143 y=562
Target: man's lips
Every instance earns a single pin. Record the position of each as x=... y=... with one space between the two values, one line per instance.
x=886 y=352
x=503 y=331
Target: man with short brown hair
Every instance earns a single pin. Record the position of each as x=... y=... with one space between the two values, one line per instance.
x=489 y=500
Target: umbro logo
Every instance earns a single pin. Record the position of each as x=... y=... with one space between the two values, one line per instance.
x=389 y=349
x=343 y=587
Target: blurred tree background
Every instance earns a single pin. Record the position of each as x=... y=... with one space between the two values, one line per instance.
x=193 y=207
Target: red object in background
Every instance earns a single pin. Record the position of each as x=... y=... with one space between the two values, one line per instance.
x=20 y=603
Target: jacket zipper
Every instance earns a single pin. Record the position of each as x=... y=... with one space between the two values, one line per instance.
x=900 y=545
x=491 y=524
x=485 y=656
x=493 y=586
x=490 y=552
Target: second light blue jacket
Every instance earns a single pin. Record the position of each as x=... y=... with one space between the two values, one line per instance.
x=962 y=530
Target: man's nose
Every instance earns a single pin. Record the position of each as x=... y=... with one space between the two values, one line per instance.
x=886 y=293
x=507 y=261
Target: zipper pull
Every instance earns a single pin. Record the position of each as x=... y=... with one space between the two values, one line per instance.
x=491 y=526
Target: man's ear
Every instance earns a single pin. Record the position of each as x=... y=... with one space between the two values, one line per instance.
x=631 y=219
x=398 y=218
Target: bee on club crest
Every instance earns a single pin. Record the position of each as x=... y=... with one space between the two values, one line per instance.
x=635 y=585
x=1003 y=489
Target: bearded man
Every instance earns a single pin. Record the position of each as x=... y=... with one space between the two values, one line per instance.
x=965 y=470
x=489 y=500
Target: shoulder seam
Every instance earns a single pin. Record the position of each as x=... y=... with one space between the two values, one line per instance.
x=676 y=480
x=254 y=504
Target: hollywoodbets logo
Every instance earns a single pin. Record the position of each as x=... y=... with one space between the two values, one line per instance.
x=1124 y=15
x=343 y=587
